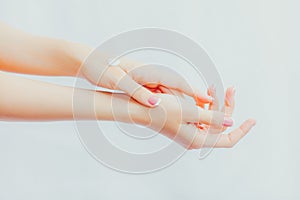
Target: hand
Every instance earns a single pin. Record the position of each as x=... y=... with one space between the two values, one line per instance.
x=192 y=126
x=54 y=57
x=175 y=118
x=138 y=81
x=228 y=140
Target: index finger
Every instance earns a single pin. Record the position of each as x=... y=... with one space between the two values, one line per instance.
x=194 y=114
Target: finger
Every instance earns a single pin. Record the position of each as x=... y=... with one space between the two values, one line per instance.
x=157 y=91
x=154 y=90
x=229 y=140
x=229 y=101
x=199 y=97
x=167 y=77
x=137 y=91
x=151 y=85
x=228 y=107
x=164 y=89
x=170 y=91
x=202 y=139
x=191 y=91
x=161 y=89
x=192 y=113
x=183 y=87
x=214 y=105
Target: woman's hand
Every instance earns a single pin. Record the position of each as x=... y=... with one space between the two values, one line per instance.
x=138 y=80
x=29 y=54
x=33 y=100
x=175 y=117
x=187 y=124
x=234 y=136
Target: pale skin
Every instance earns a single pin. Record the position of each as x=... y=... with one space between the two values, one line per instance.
x=25 y=53
x=175 y=117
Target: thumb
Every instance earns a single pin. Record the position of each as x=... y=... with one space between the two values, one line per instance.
x=138 y=92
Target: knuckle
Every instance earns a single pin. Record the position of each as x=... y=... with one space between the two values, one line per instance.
x=137 y=94
x=140 y=93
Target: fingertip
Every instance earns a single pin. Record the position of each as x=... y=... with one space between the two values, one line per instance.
x=229 y=96
x=252 y=121
x=211 y=90
x=199 y=101
x=154 y=101
x=233 y=90
x=247 y=125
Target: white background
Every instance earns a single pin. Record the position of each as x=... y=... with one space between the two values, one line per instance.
x=255 y=47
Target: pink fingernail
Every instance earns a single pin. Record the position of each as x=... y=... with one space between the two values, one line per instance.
x=154 y=100
x=227 y=122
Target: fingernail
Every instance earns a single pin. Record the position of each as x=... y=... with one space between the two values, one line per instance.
x=211 y=98
x=227 y=122
x=253 y=122
x=154 y=101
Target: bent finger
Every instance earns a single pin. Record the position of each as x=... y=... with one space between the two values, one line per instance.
x=192 y=113
x=138 y=92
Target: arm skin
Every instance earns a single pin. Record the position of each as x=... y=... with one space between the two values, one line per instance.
x=27 y=99
x=25 y=53
x=31 y=100
x=21 y=52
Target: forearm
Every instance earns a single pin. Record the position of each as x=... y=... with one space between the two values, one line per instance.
x=25 y=53
x=25 y=99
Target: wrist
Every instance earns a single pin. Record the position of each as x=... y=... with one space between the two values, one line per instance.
x=77 y=53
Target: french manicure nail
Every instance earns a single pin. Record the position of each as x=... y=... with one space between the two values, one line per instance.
x=154 y=101
x=227 y=122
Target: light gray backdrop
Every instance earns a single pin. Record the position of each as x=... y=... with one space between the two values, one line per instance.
x=254 y=45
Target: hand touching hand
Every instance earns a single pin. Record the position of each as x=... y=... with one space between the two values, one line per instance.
x=175 y=118
x=25 y=53
x=129 y=76
x=192 y=126
x=224 y=140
